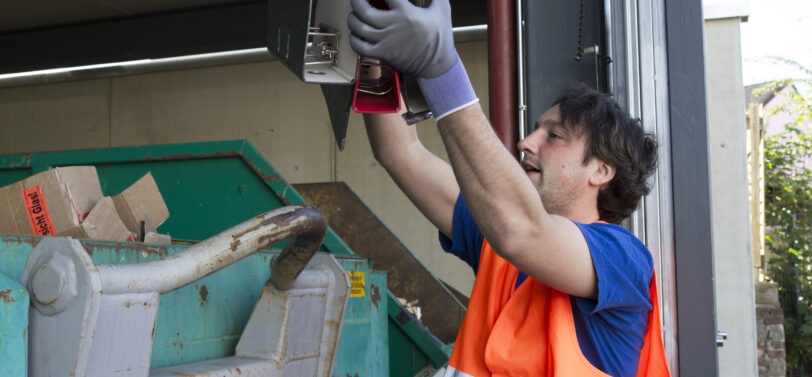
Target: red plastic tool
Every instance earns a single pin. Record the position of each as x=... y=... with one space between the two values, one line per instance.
x=377 y=86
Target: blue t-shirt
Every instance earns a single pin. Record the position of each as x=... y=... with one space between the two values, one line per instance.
x=611 y=328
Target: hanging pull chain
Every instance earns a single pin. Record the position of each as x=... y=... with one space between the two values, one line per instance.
x=579 y=54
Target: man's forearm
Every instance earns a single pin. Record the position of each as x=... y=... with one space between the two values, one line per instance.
x=389 y=137
x=496 y=189
x=426 y=179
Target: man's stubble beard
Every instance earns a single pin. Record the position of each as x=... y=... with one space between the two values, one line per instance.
x=555 y=199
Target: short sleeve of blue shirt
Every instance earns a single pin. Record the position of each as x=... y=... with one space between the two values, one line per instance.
x=466 y=239
x=610 y=328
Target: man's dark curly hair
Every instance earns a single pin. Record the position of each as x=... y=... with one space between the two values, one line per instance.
x=615 y=138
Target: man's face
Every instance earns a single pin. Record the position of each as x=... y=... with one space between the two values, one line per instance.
x=554 y=162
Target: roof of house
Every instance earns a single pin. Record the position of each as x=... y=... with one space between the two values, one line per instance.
x=766 y=96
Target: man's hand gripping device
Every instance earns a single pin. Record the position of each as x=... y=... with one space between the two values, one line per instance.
x=379 y=86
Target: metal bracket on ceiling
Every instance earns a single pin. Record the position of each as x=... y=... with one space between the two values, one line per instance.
x=313 y=44
x=311 y=40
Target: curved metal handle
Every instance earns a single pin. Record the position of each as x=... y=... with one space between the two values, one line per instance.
x=306 y=225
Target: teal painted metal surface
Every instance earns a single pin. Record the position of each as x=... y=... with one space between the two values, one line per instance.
x=13 y=328
x=405 y=358
x=366 y=313
x=204 y=320
x=412 y=342
x=209 y=187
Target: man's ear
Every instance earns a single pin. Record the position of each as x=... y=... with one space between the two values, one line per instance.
x=602 y=174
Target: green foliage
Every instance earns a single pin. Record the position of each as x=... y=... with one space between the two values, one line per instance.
x=788 y=211
x=788 y=215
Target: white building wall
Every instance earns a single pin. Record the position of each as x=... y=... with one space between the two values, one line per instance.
x=735 y=297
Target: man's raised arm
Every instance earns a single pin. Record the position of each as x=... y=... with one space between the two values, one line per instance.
x=426 y=179
x=503 y=201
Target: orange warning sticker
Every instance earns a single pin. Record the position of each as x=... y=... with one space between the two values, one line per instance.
x=37 y=211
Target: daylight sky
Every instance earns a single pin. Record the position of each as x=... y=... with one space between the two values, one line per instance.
x=780 y=28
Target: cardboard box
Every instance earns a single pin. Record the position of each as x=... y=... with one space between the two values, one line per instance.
x=50 y=203
x=103 y=223
x=141 y=202
x=68 y=201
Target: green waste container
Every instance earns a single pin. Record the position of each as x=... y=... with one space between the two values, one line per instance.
x=209 y=187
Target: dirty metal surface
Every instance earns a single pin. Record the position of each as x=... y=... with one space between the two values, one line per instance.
x=230 y=366
x=101 y=318
x=308 y=235
x=13 y=328
x=339 y=101
x=288 y=24
x=204 y=320
x=188 y=328
x=363 y=316
x=304 y=226
x=305 y=318
x=367 y=236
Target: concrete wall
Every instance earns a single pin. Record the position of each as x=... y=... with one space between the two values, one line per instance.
x=735 y=297
x=263 y=102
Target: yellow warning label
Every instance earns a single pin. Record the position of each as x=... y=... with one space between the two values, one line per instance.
x=357 y=284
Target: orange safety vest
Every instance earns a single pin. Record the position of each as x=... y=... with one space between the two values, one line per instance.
x=503 y=333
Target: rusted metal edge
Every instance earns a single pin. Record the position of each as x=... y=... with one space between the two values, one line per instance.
x=300 y=249
x=5 y=296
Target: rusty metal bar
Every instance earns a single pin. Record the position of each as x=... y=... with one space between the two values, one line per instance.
x=307 y=226
x=299 y=250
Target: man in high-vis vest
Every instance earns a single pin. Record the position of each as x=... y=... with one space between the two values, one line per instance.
x=561 y=289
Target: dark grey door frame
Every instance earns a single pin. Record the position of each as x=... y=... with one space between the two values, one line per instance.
x=696 y=318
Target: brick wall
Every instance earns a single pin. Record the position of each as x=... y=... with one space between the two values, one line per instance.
x=770 y=331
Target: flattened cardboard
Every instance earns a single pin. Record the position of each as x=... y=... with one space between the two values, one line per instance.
x=69 y=193
x=84 y=189
x=103 y=223
x=141 y=201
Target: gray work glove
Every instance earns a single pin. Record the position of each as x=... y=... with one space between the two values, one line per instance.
x=417 y=41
